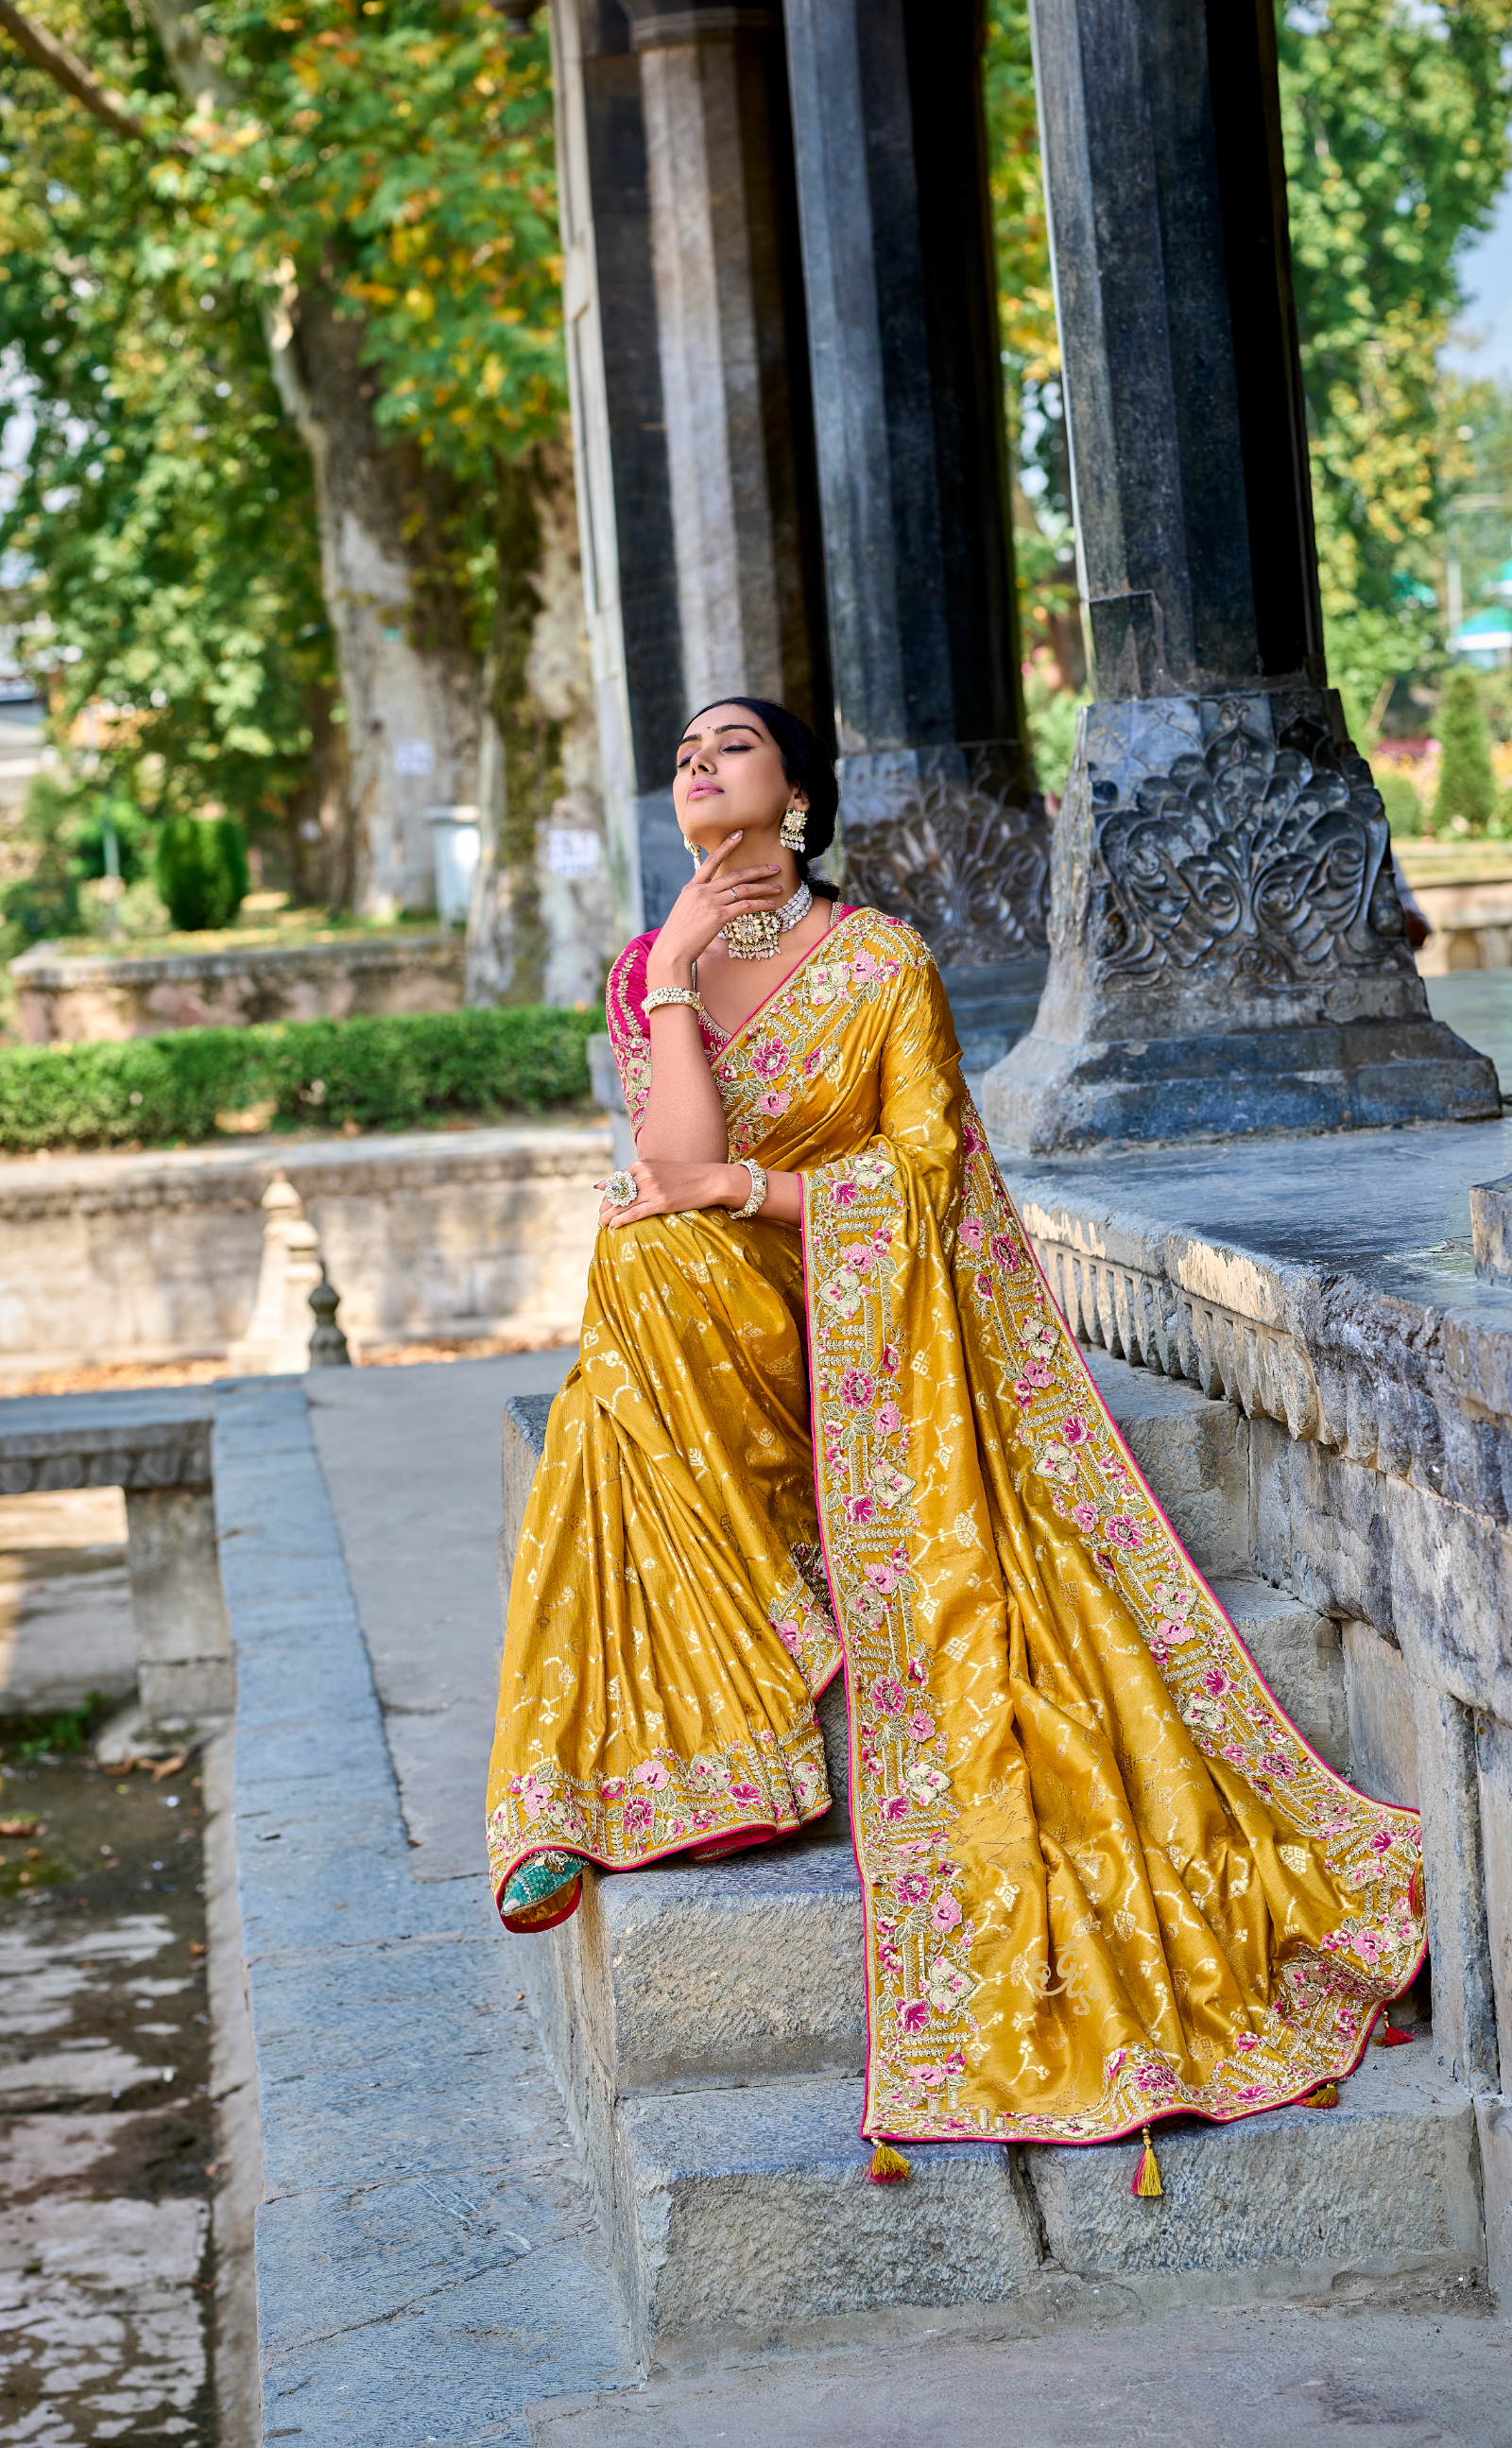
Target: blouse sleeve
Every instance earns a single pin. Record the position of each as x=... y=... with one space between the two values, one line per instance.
x=625 y=1002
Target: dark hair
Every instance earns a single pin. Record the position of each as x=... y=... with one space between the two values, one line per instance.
x=807 y=768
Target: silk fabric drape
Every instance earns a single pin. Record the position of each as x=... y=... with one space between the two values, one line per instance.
x=1105 y=1876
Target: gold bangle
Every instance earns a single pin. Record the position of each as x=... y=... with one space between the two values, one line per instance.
x=660 y=996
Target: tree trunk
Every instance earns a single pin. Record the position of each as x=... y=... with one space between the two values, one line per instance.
x=411 y=686
x=541 y=928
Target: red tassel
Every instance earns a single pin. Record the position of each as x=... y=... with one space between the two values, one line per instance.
x=1388 y=2037
x=888 y=2167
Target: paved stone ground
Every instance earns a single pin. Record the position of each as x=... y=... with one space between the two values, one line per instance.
x=105 y=2171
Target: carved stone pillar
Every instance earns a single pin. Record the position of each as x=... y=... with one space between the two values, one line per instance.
x=1227 y=953
x=936 y=811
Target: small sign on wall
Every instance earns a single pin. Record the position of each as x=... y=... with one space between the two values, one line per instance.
x=413 y=757
x=571 y=853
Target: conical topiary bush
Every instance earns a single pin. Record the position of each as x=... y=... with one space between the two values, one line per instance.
x=1466 y=798
x=201 y=871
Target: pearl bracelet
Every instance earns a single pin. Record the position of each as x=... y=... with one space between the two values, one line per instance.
x=660 y=996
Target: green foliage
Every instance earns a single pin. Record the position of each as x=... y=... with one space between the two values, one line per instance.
x=201 y=871
x=60 y=1737
x=1396 y=150
x=1466 y=798
x=381 y=1073
x=1404 y=809
x=162 y=524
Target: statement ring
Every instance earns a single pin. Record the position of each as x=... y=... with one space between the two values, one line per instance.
x=620 y=1189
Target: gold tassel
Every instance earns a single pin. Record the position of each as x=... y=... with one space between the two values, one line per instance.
x=1147 y=2186
x=888 y=2167
x=1327 y=2096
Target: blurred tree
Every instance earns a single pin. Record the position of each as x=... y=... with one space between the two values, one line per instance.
x=369 y=183
x=1396 y=147
x=1465 y=801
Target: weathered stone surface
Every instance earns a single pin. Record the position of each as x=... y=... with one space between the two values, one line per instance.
x=1383 y=1730
x=1289 y=2203
x=1493 y=2121
x=157 y=1256
x=1493 y=1746
x=749 y=2213
x=63 y=998
x=177 y=1601
x=1491 y=1226
x=1463 y=2005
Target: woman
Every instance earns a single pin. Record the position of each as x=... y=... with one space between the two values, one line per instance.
x=827 y=1413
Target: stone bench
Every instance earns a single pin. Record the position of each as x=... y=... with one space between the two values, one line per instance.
x=154 y=1446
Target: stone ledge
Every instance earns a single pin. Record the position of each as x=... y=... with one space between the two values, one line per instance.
x=158 y=1438
x=46 y=966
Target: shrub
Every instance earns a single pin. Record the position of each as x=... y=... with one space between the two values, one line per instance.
x=201 y=871
x=1404 y=809
x=383 y=1073
x=1465 y=799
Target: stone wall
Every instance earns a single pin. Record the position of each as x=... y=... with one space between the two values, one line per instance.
x=65 y=998
x=425 y=1233
x=1471 y=922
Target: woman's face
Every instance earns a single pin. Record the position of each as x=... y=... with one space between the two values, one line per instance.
x=730 y=774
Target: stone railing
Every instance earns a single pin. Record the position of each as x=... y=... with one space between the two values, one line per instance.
x=67 y=997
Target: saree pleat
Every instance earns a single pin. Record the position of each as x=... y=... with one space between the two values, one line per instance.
x=1104 y=1877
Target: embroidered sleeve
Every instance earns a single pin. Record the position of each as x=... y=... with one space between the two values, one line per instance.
x=625 y=1002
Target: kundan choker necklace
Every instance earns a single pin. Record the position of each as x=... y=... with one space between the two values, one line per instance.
x=756 y=934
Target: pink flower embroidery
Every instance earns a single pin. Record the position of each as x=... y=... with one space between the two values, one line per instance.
x=883 y=1578
x=946 y=1915
x=745 y=1793
x=613 y=1788
x=857 y=1389
x=1124 y=1532
x=1085 y=1518
x=912 y=1888
x=844 y=1194
x=1006 y=1253
x=775 y=1100
x=955 y=2064
x=983 y=1285
x=918 y=1672
x=860 y=1508
x=865 y=964
x=791 y=1635
x=1234 y=1753
x=639 y=1816
x=971 y=1233
x=1075 y=1430
x=921 y=1726
x=857 y=1254
x=1216 y=1681
x=913 y=2013
x=890 y=1419
x=888 y=1695
x=653 y=1773
x=769 y=1059
x=895 y=1808
x=1381 y=1841
x=812 y=1062
x=1275 y=1763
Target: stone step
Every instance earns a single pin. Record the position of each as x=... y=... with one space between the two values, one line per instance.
x=746 y=2217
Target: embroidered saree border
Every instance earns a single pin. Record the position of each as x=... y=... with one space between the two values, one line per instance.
x=923 y=2037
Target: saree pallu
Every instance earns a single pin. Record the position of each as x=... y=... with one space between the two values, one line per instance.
x=1104 y=1877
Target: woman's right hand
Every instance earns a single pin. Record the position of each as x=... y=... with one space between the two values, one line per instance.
x=718 y=893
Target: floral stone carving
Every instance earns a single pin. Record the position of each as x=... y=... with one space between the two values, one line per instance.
x=960 y=859
x=1269 y=861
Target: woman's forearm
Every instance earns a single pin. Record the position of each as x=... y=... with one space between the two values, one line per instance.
x=683 y=1118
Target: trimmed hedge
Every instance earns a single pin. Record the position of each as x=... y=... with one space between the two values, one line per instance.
x=385 y=1073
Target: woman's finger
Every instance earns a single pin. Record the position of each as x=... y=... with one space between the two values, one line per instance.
x=714 y=859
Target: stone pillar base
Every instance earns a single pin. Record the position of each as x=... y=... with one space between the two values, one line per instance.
x=1226 y=946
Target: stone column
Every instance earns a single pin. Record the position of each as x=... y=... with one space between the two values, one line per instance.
x=897 y=249
x=1227 y=947
x=687 y=362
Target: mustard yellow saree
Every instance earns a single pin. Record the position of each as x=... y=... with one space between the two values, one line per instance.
x=1104 y=1877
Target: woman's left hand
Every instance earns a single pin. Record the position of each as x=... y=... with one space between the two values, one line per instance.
x=663 y=1187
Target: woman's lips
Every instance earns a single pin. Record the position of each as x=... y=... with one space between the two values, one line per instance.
x=706 y=791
